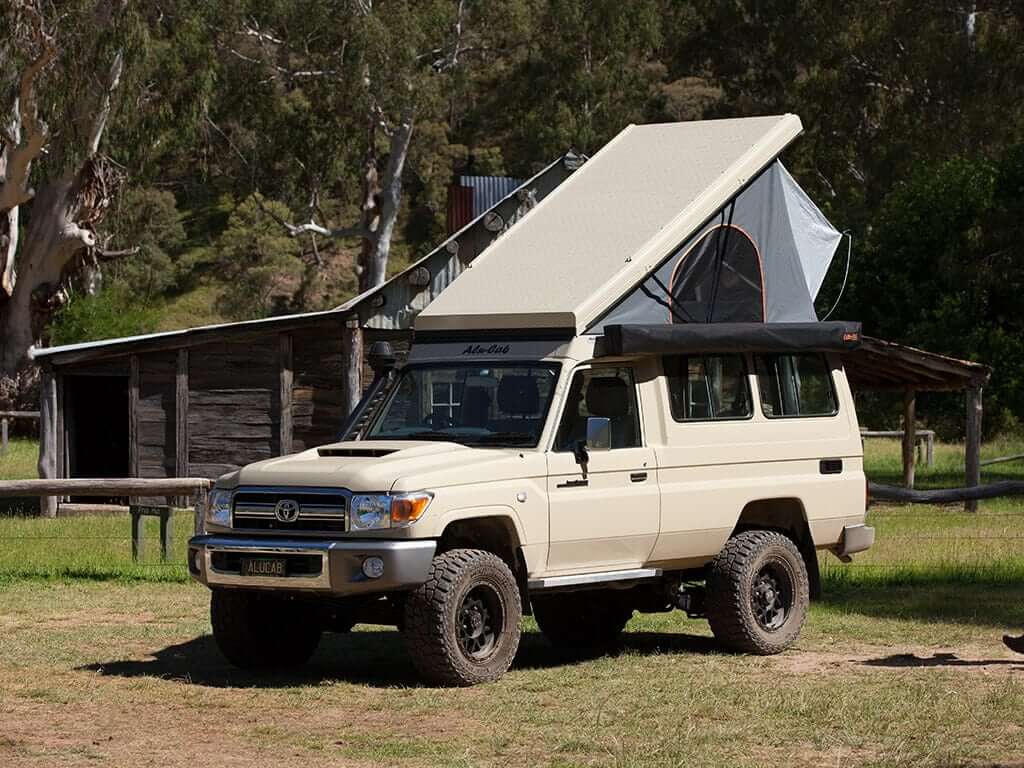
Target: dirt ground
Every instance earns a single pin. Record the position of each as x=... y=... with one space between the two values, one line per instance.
x=114 y=674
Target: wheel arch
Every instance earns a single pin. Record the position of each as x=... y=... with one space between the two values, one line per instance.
x=493 y=531
x=788 y=516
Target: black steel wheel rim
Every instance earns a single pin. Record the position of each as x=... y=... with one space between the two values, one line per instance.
x=771 y=596
x=480 y=621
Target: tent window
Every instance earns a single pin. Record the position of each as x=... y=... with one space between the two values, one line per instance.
x=708 y=388
x=719 y=279
x=795 y=385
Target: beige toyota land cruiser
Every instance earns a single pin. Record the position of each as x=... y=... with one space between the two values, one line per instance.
x=652 y=420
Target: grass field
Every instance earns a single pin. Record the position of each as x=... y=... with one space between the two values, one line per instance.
x=899 y=665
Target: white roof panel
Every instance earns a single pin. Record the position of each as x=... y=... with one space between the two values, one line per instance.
x=610 y=224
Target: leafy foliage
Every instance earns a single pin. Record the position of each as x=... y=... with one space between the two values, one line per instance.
x=236 y=112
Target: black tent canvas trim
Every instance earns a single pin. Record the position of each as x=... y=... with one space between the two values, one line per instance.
x=628 y=340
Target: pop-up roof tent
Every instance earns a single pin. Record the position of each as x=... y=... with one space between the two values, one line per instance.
x=667 y=229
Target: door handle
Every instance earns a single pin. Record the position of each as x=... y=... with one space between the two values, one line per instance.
x=574 y=484
x=638 y=477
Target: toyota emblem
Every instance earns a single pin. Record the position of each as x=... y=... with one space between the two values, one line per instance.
x=287 y=510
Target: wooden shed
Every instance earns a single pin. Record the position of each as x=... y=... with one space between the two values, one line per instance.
x=203 y=401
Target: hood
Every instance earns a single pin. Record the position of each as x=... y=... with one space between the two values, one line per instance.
x=387 y=465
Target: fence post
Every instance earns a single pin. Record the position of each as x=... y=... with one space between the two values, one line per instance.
x=909 y=436
x=3 y=429
x=137 y=529
x=165 y=534
x=972 y=447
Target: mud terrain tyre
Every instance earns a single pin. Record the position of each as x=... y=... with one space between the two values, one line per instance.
x=255 y=631
x=757 y=593
x=462 y=624
x=591 y=619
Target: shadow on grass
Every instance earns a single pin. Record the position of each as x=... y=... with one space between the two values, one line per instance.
x=931 y=599
x=376 y=658
x=909 y=660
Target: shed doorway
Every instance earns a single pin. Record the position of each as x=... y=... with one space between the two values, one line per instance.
x=96 y=419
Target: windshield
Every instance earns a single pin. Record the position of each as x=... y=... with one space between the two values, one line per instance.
x=491 y=405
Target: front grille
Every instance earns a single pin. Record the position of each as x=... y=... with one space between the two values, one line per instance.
x=319 y=509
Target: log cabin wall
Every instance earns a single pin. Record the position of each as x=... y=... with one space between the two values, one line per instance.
x=156 y=422
x=234 y=410
x=318 y=366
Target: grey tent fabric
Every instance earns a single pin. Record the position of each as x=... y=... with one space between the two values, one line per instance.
x=761 y=258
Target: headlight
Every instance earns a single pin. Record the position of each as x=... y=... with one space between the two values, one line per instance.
x=370 y=512
x=218 y=508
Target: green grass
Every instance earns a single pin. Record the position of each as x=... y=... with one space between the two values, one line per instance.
x=93 y=547
x=19 y=463
x=899 y=665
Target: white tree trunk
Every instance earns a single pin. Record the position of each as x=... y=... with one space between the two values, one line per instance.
x=384 y=215
x=51 y=241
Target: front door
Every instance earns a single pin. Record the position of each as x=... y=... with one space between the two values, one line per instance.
x=609 y=519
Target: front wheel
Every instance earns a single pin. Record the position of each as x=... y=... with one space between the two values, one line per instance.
x=757 y=593
x=462 y=624
x=258 y=631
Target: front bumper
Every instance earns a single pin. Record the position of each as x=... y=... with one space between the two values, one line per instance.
x=333 y=567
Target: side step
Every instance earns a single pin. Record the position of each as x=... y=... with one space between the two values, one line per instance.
x=589 y=579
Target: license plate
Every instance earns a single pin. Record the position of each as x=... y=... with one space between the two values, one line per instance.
x=262 y=566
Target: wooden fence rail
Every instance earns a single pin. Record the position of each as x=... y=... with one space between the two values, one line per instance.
x=881 y=492
x=194 y=488
x=8 y=416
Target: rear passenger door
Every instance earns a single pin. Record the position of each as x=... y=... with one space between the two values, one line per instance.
x=609 y=519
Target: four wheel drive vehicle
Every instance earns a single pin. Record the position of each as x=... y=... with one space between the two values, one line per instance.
x=576 y=449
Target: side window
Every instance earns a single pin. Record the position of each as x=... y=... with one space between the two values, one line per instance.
x=607 y=392
x=708 y=387
x=795 y=385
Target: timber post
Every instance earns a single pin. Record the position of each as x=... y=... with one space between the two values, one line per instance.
x=909 y=436
x=48 y=437
x=133 y=420
x=352 y=349
x=181 y=468
x=972 y=445
x=286 y=368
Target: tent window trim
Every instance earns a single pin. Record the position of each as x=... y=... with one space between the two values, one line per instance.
x=719 y=266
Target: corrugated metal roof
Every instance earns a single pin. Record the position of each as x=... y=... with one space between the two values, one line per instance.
x=489 y=190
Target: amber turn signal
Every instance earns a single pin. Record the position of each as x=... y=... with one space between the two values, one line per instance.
x=409 y=507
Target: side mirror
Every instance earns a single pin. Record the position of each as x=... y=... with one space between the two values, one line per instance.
x=599 y=433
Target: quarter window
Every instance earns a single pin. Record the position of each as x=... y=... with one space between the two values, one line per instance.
x=795 y=385
x=708 y=387
x=606 y=392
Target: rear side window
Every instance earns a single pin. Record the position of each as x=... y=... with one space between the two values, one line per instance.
x=795 y=385
x=708 y=387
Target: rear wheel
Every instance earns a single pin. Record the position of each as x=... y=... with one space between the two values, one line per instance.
x=758 y=593
x=462 y=624
x=260 y=631
x=591 y=619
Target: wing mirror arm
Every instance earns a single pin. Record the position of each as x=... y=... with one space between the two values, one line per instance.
x=599 y=438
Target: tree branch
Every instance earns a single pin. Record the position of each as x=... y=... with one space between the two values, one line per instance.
x=337 y=233
x=19 y=155
x=100 y=123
